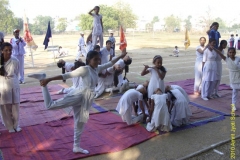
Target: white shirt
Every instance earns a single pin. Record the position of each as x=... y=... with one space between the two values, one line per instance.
x=199 y=55
x=104 y=54
x=81 y=42
x=18 y=49
x=97 y=27
x=68 y=66
x=218 y=58
x=9 y=84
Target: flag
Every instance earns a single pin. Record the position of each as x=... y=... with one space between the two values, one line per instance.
x=27 y=35
x=187 y=40
x=123 y=42
x=48 y=35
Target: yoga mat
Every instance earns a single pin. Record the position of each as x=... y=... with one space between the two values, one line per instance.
x=188 y=85
x=104 y=133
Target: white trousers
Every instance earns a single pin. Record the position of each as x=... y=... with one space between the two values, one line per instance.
x=10 y=115
x=64 y=102
x=21 y=67
x=198 y=76
x=94 y=40
x=215 y=89
x=81 y=52
x=234 y=96
x=207 y=88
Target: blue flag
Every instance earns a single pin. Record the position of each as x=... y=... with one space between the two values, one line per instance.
x=48 y=35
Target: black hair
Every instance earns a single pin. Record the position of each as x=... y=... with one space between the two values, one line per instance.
x=145 y=96
x=96 y=47
x=236 y=34
x=108 y=41
x=212 y=40
x=126 y=68
x=97 y=7
x=214 y=23
x=173 y=98
x=91 y=55
x=232 y=48
x=78 y=64
x=201 y=38
x=2 y=69
x=222 y=42
x=156 y=57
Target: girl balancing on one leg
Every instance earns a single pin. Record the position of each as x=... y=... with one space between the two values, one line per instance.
x=80 y=99
x=233 y=64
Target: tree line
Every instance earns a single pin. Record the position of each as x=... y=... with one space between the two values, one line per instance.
x=113 y=16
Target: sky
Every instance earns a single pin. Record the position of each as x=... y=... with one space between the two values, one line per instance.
x=144 y=9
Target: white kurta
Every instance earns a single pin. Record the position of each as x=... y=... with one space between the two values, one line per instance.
x=219 y=66
x=9 y=84
x=181 y=112
x=198 y=70
x=126 y=102
x=234 y=72
x=182 y=91
x=161 y=116
x=210 y=66
x=97 y=27
x=105 y=54
x=155 y=82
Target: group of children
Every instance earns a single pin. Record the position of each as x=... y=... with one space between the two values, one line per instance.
x=208 y=67
x=161 y=106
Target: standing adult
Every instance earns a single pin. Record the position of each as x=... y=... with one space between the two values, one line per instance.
x=236 y=39
x=112 y=39
x=214 y=34
x=18 y=52
x=97 y=30
x=81 y=47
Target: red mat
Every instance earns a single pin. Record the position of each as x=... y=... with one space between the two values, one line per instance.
x=103 y=133
x=188 y=85
x=32 y=110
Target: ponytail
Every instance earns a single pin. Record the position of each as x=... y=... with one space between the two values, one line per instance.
x=126 y=71
x=2 y=70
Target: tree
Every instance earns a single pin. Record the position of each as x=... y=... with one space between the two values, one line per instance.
x=236 y=26
x=188 y=23
x=222 y=23
x=172 y=23
x=207 y=19
x=113 y=17
x=126 y=17
x=155 y=19
x=7 y=20
x=18 y=23
x=40 y=24
x=62 y=24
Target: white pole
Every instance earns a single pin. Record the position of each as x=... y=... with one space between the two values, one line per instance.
x=32 y=56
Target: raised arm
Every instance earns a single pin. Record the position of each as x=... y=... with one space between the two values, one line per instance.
x=202 y=51
x=90 y=12
x=160 y=75
x=145 y=71
x=79 y=72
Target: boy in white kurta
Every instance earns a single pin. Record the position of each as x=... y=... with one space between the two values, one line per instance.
x=81 y=47
x=126 y=104
x=9 y=89
x=80 y=99
x=97 y=29
x=18 y=52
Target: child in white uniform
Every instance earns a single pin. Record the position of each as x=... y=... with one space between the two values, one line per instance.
x=198 y=66
x=179 y=109
x=18 y=45
x=182 y=91
x=158 y=73
x=222 y=46
x=209 y=71
x=81 y=47
x=81 y=100
x=233 y=64
x=9 y=89
x=97 y=30
x=126 y=104
x=176 y=51
x=159 y=117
